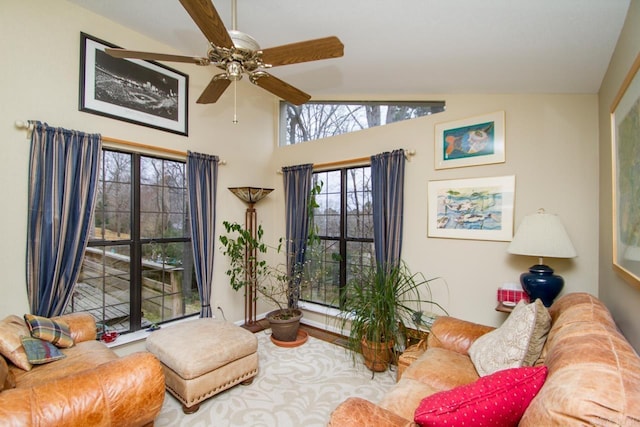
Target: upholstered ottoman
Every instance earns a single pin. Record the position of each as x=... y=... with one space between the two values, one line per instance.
x=203 y=357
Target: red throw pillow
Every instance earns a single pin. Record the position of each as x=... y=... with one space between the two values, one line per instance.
x=499 y=399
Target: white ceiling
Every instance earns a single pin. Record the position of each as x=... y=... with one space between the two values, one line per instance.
x=404 y=47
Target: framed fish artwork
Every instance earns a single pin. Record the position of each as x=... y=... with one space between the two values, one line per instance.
x=470 y=142
x=474 y=208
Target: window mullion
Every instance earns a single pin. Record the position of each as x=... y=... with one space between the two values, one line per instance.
x=135 y=291
x=343 y=234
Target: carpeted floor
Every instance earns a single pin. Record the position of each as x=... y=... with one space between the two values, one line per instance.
x=295 y=387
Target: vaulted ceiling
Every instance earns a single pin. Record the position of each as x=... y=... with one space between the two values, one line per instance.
x=397 y=48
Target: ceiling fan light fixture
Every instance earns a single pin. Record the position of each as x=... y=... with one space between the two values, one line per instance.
x=234 y=70
x=237 y=53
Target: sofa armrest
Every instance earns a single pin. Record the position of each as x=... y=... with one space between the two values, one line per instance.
x=82 y=326
x=124 y=392
x=358 y=412
x=455 y=334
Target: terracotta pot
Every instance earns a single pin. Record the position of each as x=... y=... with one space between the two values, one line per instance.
x=284 y=329
x=376 y=355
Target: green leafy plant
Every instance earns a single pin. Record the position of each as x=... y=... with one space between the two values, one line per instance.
x=381 y=302
x=271 y=282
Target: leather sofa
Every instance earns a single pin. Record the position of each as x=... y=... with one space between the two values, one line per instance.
x=593 y=372
x=91 y=386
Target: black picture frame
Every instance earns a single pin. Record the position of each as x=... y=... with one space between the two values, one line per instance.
x=132 y=90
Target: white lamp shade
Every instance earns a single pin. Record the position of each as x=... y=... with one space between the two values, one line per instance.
x=542 y=235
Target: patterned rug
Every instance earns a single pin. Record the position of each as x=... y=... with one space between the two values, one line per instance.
x=294 y=387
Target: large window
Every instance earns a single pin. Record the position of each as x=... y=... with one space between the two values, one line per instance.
x=322 y=119
x=138 y=266
x=343 y=222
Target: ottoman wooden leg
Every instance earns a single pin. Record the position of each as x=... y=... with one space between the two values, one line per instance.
x=190 y=409
x=247 y=382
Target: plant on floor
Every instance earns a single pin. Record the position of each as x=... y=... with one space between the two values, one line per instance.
x=380 y=303
x=272 y=283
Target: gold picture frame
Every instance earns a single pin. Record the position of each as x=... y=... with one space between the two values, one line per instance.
x=625 y=152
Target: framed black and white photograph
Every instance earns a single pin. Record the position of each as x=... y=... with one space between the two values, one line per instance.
x=132 y=90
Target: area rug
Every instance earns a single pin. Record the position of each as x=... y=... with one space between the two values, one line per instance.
x=295 y=387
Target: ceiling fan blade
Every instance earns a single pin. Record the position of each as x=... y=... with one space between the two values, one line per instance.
x=207 y=19
x=124 y=53
x=214 y=90
x=310 y=50
x=282 y=89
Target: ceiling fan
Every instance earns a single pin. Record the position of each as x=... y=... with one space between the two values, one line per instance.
x=238 y=53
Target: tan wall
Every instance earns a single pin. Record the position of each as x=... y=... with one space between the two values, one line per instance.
x=551 y=144
x=41 y=42
x=621 y=298
x=551 y=149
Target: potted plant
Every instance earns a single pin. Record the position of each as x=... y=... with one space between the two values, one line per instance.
x=272 y=283
x=380 y=303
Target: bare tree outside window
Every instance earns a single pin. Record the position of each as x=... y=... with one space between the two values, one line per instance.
x=138 y=266
x=343 y=225
x=322 y=119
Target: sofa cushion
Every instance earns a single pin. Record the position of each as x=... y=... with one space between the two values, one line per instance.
x=55 y=332
x=436 y=370
x=40 y=352
x=11 y=329
x=83 y=356
x=498 y=399
x=517 y=342
x=594 y=373
x=7 y=380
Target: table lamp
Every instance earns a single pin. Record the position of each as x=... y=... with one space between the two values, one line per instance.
x=542 y=235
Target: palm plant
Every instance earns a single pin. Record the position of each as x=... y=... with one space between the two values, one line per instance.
x=379 y=305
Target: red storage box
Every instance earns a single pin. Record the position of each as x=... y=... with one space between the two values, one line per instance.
x=511 y=295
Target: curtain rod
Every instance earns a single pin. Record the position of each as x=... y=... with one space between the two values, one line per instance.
x=29 y=128
x=408 y=154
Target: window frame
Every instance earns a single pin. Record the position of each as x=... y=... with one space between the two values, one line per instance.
x=434 y=106
x=135 y=243
x=343 y=238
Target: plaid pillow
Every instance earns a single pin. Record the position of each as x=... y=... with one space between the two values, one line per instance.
x=53 y=331
x=39 y=351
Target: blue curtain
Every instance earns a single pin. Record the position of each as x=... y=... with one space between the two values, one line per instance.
x=297 y=190
x=387 y=178
x=202 y=183
x=63 y=177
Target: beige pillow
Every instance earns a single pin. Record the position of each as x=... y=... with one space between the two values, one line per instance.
x=518 y=342
x=11 y=329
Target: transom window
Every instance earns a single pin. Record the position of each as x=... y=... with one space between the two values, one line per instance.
x=138 y=266
x=343 y=221
x=322 y=119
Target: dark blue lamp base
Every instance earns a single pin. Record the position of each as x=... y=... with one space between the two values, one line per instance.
x=540 y=282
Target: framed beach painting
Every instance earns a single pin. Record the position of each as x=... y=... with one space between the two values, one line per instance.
x=132 y=90
x=474 y=208
x=625 y=153
x=470 y=142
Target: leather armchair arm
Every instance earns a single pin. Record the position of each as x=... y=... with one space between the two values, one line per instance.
x=124 y=392
x=358 y=412
x=82 y=326
x=455 y=334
